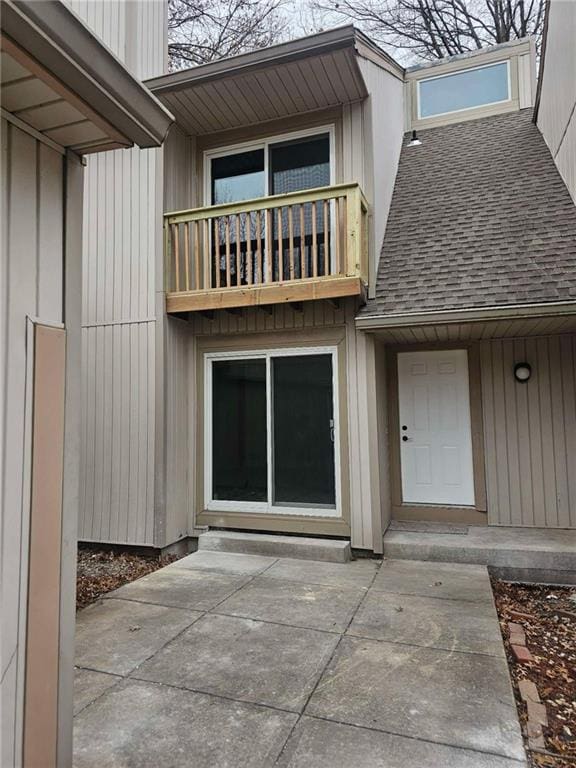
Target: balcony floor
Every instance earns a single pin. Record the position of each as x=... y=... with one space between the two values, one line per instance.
x=294 y=291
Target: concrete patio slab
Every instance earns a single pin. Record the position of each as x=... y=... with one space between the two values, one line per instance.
x=321 y=744
x=460 y=699
x=299 y=605
x=89 y=685
x=117 y=635
x=246 y=660
x=358 y=573
x=448 y=580
x=182 y=588
x=429 y=622
x=225 y=691
x=145 y=725
x=229 y=563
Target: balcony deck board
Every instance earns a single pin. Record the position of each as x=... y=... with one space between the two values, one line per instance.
x=275 y=293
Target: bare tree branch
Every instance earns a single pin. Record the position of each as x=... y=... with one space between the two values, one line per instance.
x=204 y=30
x=433 y=29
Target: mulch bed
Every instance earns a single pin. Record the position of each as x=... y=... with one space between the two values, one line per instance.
x=100 y=571
x=548 y=617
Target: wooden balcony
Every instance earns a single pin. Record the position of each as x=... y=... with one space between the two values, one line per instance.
x=285 y=248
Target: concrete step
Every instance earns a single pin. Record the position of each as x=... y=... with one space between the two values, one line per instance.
x=297 y=547
x=522 y=554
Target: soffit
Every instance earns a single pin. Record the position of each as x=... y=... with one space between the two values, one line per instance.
x=207 y=100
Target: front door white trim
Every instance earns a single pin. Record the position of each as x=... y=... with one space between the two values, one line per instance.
x=268 y=507
x=435 y=428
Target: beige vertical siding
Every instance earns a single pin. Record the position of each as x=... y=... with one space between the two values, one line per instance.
x=122 y=273
x=557 y=110
x=530 y=432
x=31 y=284
x=384 y=128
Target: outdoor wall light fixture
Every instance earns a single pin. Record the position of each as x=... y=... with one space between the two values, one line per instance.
x=522 y=372
x=414 y=141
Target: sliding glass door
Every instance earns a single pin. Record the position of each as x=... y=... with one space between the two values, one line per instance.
x=276 y=166
x=271 y=432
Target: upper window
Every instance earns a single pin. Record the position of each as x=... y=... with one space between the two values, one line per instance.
x=466 y=89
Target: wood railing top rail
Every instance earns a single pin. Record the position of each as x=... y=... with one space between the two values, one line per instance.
x=262 y=203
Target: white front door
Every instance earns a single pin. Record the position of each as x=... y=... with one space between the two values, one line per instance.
x=435 y=435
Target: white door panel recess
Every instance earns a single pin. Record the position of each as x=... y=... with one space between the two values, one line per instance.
x=435 y=433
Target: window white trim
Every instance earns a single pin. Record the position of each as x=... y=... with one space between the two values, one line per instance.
x=268 y=507
x=460 y=72
x=264 y=144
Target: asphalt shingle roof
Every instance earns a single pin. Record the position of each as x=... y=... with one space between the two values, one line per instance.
x=479 y=217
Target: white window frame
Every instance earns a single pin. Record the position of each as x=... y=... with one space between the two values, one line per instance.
x=268 y=507
x=459 y=72
x=264 y=144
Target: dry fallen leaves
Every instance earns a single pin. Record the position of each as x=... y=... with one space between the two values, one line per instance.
x=548 y=618
x=100 y=571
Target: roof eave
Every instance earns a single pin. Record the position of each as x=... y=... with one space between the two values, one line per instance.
x=61 y=43
x=467 y=314
x=304 y=47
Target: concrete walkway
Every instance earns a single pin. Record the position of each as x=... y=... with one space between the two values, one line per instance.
x=237 y=661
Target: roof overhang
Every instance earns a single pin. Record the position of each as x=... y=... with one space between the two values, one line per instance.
x=54 y=46
x=469 y=315
x=304 y=75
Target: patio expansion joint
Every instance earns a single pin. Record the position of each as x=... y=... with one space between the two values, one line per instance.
x=423 y=647
x=201 y=615
x=328 y=662
x=521 y=762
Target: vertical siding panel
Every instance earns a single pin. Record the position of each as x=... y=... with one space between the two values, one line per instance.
x=487 y=374
x=523 y=435
x=568 y=355
x=50 y=233
x=549 y=470
x=559 y=435
x=500 y=432
x=511 y=428
x=530 y=432
x=535 y=437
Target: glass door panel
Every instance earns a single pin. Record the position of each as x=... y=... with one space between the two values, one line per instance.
x=303 y=431
x=295 y=166
x=236 y=177
x=239 y=431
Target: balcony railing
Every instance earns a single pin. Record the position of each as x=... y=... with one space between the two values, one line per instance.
x=284 y=248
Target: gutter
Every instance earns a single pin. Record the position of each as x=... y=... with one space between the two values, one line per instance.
x=468 y=315
x=62 y=44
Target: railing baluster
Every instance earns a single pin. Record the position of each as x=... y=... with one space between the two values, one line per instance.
x=227 y=238
x=196 y=255
x=248 y=219
x=258 y=279
x=187 y=254
x=337 y=235
x=280 y=253
x=206 y=261
x=326 y=239
x=303 y=270
x=269 y=246
x=291 y=240
x=314 y=242
x=176 y=241
x=216 y=249
x=237 y=249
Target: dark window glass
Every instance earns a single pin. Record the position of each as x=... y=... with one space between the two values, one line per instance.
x=239 y=461
x=238 y=177
x=303 y=429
